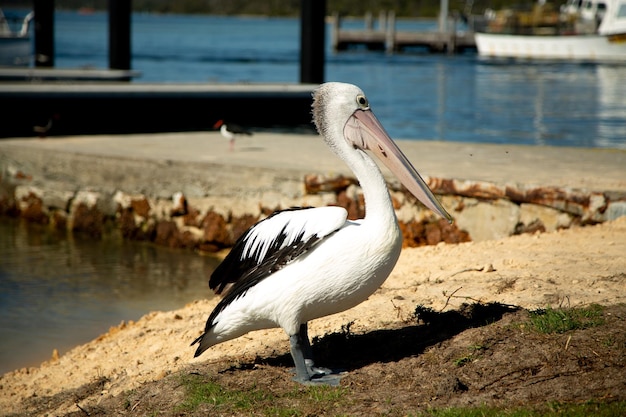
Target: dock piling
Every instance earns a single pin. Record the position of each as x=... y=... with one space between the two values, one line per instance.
x=387 y=38
x=382 y=21
x=119 y=34
x=44 y=33
x=390 y=33
x=312 y=41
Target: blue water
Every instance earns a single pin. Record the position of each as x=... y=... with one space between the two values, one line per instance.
x=416 y=95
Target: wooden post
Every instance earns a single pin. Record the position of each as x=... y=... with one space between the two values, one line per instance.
x=119 y=34
x=369 y=22
x=390 y=36
x=336 y=28
x=44 y=33
x=312 y=41
x=452 y=37
x=335 y=31
x=382 y=21
x=443 y=16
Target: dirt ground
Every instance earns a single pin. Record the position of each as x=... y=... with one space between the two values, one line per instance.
x=448 y=328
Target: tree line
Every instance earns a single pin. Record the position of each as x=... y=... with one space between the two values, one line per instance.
x=402 y=8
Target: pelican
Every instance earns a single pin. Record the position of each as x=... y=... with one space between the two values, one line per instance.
x=304 y=263
x=231 y=131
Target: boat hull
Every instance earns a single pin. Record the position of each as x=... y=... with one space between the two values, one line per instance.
x=592 y=48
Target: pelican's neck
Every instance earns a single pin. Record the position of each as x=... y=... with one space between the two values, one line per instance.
x=378 y=206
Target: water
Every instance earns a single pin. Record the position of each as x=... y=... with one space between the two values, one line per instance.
x=57 y=292
x=416 y=95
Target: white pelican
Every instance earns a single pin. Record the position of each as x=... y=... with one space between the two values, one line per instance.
x=231 y=132
x=304 y=263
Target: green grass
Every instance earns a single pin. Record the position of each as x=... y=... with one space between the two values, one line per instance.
x=325 y=393
x=562 y=320
x=200 y=391
x=203 y=393
x=474 y=352
x=591 y=408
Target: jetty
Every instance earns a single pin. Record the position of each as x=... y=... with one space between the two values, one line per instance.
x=47 y=101
x=52 y=109
x=386 y=37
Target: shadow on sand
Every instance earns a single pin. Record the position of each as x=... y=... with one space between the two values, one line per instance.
x=348 y=351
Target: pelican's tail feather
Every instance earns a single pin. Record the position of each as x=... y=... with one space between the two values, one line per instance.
x=204 y=343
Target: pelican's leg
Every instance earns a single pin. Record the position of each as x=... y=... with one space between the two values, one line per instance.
x=308 y=353
x=306 y=345
x=302 y=355
x=297 y=352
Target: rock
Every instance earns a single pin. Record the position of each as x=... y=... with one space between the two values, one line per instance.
x=167 y=234
x=550 y=219
x=240 y=224
x=420 y=233
x=484 y=221
x=141 y=207
x=30 y=204
x=615 y=209
x=314 y=183
x=179 y=207
x=215 y=231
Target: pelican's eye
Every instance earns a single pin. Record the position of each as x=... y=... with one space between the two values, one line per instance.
x=361 y=100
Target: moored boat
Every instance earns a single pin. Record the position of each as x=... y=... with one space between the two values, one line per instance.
x=15 y=45
x=581 y=30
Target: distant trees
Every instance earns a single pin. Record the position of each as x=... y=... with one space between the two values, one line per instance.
x=403 y=8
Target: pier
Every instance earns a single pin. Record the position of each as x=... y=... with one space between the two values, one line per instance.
x=385 y=37
x=51 y=109
x=47 y=101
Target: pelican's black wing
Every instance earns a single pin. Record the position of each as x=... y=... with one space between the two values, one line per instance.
x=274 y=242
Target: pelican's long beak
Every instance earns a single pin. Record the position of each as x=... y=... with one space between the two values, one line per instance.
x=364 y=131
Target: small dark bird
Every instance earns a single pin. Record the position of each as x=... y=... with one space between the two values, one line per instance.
x=231 y=131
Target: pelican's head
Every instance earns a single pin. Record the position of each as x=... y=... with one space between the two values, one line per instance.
x=342 y=115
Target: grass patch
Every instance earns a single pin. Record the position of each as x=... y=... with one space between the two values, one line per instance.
x=203 y=394
x=462 y=361
x=591 y=408
x=475 y=351
x=206 y=396
x=323 y=393
x=199 y=391
x=562 y=320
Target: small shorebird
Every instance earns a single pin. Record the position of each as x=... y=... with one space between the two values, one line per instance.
x=231 y=131
x=300 y=264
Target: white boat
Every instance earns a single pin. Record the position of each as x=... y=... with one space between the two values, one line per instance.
x=581 y=30
x=15 y=45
